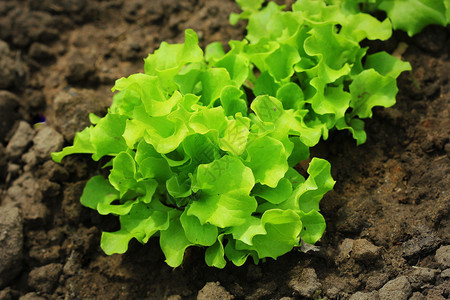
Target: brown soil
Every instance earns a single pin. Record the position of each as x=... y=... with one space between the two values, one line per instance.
x=387 y=219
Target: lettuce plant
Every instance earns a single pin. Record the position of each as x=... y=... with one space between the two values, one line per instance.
x=203 y=147
x=408 y=15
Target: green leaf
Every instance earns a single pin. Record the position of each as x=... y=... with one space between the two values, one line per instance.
x=157 y=168
x=151 y=93
x=268 y=160
x=251 y=5
x=356 y=128
x=236 y=134
x=268 y=109
x=168 y=60
x=99 y=194
x=274 y=195
x=122 y=175
x=196 y=233
x=386 y=64
x=213 y=81
x=164 y=133
x=319 y=182
x=291 y=96
x=143 y=221
x=329 y=100
x=299 y=153
x=313 y=226
x=214 y=51
x=224 y=187
x=283 y=228
x=177 y=187
x=232 y=102
x=245 y=232
x=413 y=15
x=281 y=61
x=235 y=62
x=238 y=257
x=265 y=23
x=174 y=242
x=81 y=144
x=370 y=89
x=334 y=53
x=266 y=85
x=200 y=149
x=214 y=255
x=209 y=120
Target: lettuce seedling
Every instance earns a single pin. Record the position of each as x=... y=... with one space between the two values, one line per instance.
x=203 y=146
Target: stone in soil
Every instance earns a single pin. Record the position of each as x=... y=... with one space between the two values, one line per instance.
x=11 y=244
x=417 y=296
x=304 y=282
x=443 y=256
x=25 y=193
x=423 y=242
x=32 y=296
x=44 y=279
x=363 y=250
x=9 y=105
x=419 y=276
x=20 y=141
x=365 y=296
x=376 y=281
x=46 y=141
x=398 y=288
x=213 y=290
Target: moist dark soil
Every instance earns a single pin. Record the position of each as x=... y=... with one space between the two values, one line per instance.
x=387 y=219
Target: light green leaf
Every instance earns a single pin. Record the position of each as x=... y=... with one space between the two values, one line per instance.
x=213 y=81
x=386 y=64
x=274 y=195
x=168 y=60
x=143 y=221
x=200 y=149
x=214 y=51
x=238 y=257
x=319 y=182
x=234 y=140
x=214 y=255
x=153 y=97
x=232 y=102
x=413 y=15
x=122 y=175
x=174 y=242
x=313 y=226
x=268 y=160
x=245 y=232
x=177 y=187
x=291 y=96
x=157 y=168
x=283 y=228
x=224 y=187
x=106 y=136
x=370 y=89
x=99 y=194
x=281 y=61
x=268 y=109
x=196 y=233
x=236 y=63
x=209 y=119
x=81 y=144
x=266 y=85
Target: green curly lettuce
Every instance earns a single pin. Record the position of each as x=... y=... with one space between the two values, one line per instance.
x=203 y=147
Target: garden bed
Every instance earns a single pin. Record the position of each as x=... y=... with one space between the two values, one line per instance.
x=387 y=218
